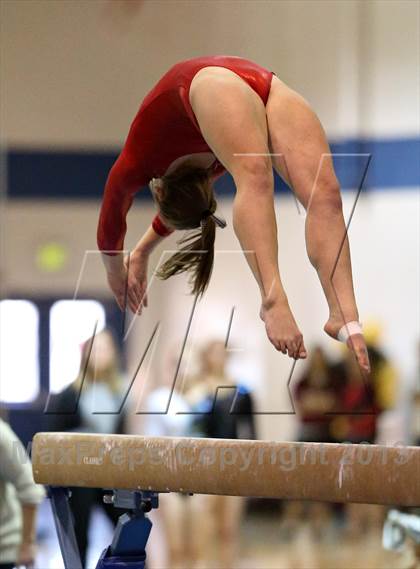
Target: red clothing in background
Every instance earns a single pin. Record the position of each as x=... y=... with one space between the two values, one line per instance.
x=358 y=400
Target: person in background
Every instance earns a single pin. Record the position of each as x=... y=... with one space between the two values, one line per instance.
x=19 y=500
x=102 y=389
x=315 y=398
x=173 y=542
x=167 y=412
x=415 y=406
x=188 y=524
x=385 y=376
x=415 y=424
x=223 y=409
x=363 y=399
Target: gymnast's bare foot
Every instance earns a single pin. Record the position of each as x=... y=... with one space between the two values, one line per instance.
x=356 y=342
x=282 y=330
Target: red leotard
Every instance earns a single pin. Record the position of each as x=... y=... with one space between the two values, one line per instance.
x=164 y=129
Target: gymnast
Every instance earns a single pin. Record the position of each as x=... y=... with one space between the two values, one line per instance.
x=204 y=117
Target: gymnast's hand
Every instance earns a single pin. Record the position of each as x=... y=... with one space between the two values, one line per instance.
x=127 y=278
x=136 y=270
x=282 y=330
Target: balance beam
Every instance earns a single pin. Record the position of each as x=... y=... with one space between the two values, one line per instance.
x=298 y=471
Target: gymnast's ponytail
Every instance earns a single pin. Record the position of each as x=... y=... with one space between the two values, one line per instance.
x=187 y=201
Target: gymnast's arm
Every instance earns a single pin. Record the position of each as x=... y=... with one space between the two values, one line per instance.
x=127 y=276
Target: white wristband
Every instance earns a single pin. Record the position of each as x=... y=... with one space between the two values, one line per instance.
x=349 y=329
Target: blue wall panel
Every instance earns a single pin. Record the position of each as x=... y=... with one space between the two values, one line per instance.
x=395 y=163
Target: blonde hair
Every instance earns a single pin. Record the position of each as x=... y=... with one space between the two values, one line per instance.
x=112 y=373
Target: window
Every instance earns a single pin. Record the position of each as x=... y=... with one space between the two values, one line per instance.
x=72 y=322
x=19 y=347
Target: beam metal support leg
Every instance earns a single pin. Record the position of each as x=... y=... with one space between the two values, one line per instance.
x=63 y=519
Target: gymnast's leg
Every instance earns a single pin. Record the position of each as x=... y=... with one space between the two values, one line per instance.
x=296 y=133
x=233 y=121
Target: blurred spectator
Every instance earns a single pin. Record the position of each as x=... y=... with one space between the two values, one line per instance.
x=226 y=410
x=363 y=398
x=210 y=405
x=415 y=406
x=315 y=397
x=167 y=412
x=173 y=542
x=384 y=374
x=19 y=499
x=415 y=423
x=358 y=409
x=101 y=389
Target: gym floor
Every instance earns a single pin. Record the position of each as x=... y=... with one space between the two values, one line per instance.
x=265 y=544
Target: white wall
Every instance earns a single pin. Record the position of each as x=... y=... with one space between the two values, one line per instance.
x=389 y=67
x=74 y=73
